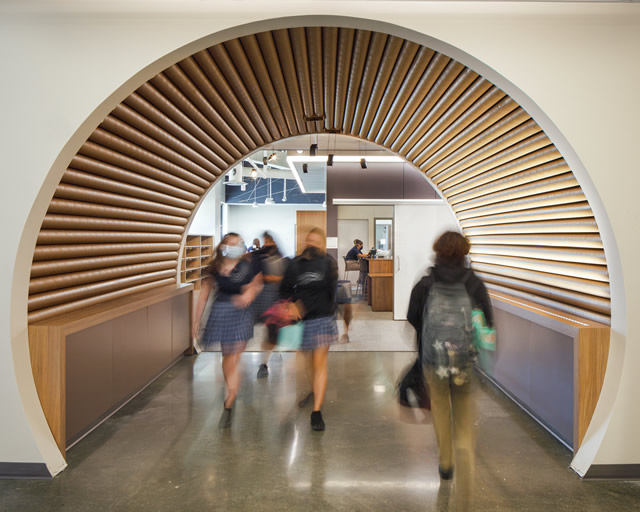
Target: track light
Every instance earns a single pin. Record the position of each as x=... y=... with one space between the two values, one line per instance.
x=254 y=173
x=264 y=160
x=272 y=157
x=329 y=160
x=305 y=168
x=313 y=149
x=363 y=163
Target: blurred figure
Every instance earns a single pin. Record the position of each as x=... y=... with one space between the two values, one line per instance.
x=255 y=246
x=440 y=311
x=273 y=266
x=235 y=278
x=345 y=308
x=310 y=282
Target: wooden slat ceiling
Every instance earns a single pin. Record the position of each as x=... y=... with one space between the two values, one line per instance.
x=119 y=214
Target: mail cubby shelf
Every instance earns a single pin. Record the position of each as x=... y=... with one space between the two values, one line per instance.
x=196 y=255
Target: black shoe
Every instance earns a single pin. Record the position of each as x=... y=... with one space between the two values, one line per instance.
x=445 y=474
x=317 y=423
x=225 y=419
x=303 y=403
x=263 y=371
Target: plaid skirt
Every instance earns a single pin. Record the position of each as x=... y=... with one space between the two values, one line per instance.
x=319 y=332
x=228 y=326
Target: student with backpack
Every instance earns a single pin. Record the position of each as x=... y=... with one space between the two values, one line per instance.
x=440 y=311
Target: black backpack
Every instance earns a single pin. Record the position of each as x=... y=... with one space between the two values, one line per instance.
x=447 y=332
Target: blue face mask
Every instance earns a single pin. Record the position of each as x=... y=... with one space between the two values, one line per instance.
x=233 y=252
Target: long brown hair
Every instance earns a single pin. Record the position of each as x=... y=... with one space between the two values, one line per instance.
x=213 y=269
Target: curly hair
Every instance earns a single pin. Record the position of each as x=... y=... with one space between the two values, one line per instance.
x=451 y=248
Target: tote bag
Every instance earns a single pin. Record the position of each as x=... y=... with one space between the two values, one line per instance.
x=484 y=337
x=290 y=337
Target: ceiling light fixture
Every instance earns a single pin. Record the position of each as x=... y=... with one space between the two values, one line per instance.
x=272 y=157
x=329 y=160
x=269 y=200
x=313 y=150
x=363 y=163
x=305 y=168
x=299 y=151
x=254 y=173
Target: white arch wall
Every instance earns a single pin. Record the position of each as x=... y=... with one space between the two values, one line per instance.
x=575 y=61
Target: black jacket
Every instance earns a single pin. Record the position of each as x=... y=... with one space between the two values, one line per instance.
x=314 y=282
x=448 y=274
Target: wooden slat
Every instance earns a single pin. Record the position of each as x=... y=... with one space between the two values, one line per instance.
x=134 y=184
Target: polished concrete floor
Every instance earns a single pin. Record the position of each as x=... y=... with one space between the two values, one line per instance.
x=164 y=451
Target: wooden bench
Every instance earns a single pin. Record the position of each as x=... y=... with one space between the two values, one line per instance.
x=88 y=363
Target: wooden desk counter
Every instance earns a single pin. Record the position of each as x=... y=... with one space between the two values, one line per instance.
x=381 y=291
x=380 y=266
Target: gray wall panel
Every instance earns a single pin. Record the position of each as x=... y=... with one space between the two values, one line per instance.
x=160 y=353
x=534 y=364
x=130 y=365
x=181 y=324
x=89 y=376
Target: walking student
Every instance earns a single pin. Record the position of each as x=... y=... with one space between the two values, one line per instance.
x=310 y=282
x=440 y=311
x=273 y=266
x=235 y=278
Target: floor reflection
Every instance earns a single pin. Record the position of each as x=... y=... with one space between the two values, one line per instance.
x=164 y=450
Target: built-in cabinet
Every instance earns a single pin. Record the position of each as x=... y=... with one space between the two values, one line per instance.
x=196 y=255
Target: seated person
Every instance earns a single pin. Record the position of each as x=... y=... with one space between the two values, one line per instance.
x=356 y=251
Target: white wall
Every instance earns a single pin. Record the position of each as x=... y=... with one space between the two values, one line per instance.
x=571 y=65
x=207 y=217
x=369 y=213
x=279 y=219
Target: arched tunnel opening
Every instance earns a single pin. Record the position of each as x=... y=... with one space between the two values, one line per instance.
x=117 y=222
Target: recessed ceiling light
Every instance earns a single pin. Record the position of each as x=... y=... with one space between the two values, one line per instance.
x=299 y=151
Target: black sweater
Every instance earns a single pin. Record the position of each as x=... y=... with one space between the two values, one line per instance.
x=314 y=282
x=449 y=274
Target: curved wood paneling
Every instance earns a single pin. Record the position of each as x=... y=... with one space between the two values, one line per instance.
x=119 y=213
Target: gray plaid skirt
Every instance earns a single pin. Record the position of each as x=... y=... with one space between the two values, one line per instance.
x=229 y=327
x=319 y=332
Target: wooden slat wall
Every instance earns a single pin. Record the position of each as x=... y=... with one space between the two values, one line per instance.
x=119 y=213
